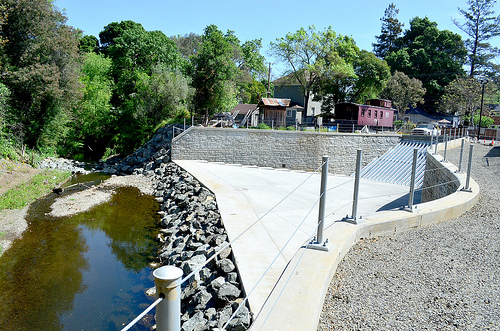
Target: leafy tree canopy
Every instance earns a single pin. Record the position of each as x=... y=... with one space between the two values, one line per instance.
x=41 y=59
x=436 y=57
x=88 y=44
x=404 y=92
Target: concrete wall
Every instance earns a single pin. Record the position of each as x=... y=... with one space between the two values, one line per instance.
x=438 y=180
x=294 y=150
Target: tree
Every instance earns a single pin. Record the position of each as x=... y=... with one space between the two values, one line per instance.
x=312 y=58
x=461 y=97
x=114 y=30
x=187 y=44
x=436 y=57
x=390 y=32
x=40 y=60
x=404 y=92
x=92 y=117
x=88 y=44
x=214 y=72
x=481 y=25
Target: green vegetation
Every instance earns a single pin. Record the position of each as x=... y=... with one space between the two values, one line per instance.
x=38 y=186
x=87 y=97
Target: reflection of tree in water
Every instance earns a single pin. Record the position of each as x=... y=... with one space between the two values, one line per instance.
x=41 y=273
x=128 y=219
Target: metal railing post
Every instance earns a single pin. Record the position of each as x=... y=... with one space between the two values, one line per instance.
x=320 y=244
x=412 y=184
x=322 y=199
x=355 y=197
x=168 y=312
x=469 y=167
x=445 y=147
x=436 y=145
x=184 y=128
x=461 y=156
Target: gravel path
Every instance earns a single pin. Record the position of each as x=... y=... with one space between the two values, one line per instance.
x=440 y=277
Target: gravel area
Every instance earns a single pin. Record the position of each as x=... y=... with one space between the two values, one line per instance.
x=440 y=277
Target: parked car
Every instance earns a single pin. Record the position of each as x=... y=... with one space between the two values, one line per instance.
x=426 y=129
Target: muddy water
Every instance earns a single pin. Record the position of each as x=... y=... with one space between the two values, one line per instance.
x=83 y=272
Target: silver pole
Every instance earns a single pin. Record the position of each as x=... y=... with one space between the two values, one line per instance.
x=168 y=312
x=322 y=199
x=184 y=124
x=461 y=155
x=445 y=147
x=436 y=145
x=432 y=140
x=469 y=167
x=356 y=185
x=412 y=184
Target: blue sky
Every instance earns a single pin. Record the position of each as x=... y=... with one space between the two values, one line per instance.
x=268 y=20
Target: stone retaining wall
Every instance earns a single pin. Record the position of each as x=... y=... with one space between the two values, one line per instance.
x=439 y=181
x=280 y=149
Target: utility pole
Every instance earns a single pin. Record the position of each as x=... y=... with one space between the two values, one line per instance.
x=269 y=81
x=483 y=82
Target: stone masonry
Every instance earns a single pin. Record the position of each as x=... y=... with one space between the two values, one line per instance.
x=280 y=149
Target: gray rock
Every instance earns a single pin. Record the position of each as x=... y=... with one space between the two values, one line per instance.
x=201 y=299
x=228 y=292
x=217 y=283
x=195 y=323
x=225 y=265
x=224 y=315
x=241 y=320
x=193 y=263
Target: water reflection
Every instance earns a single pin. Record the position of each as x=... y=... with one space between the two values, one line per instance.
x=85 y=272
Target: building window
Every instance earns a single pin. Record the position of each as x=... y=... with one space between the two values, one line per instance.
x=288 y=113
x=376 y=113
x=369 y=113
x=363 y=113
x=313 y=111
x=381 y=114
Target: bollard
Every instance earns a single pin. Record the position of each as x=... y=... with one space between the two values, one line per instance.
x=168 y=312
x=353 y=218
x=320 y=244
x=445 y=147
x=469 y=167
x=461 y=156
x=412 y=184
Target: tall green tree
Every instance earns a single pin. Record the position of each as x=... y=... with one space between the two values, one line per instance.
x=391 y=30
x=436 y=57
x=40 y=64
x=405 y=92
x=214 y=72
x=313 y=57
x=92 y=122
x=481 y=25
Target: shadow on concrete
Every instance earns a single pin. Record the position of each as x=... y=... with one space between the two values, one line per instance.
x=402 y=201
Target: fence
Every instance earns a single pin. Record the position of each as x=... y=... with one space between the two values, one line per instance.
x=168 y=279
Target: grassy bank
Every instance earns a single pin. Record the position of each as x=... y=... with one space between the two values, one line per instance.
x=38 y=186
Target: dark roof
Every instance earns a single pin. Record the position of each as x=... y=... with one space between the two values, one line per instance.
x=244 y=108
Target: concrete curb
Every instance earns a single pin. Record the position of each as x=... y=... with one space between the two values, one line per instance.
x=296 y=301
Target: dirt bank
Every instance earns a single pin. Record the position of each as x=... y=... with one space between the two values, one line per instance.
x=13 y=224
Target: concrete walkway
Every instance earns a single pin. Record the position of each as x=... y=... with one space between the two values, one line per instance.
x=270 y=214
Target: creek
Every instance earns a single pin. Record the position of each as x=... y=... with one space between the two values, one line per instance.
x=87 y=271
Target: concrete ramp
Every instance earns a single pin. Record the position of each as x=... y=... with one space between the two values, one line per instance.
x=395 y=165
